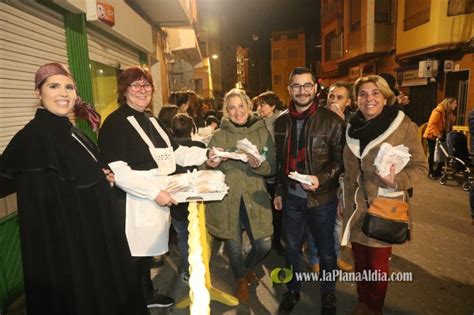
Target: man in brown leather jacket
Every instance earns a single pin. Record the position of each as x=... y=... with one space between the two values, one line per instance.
x=309 y=139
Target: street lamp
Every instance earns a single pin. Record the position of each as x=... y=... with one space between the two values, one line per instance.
x=215 y=57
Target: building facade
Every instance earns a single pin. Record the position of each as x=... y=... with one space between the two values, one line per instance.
x=97 y=42
x=288 y=52
x=427 y=45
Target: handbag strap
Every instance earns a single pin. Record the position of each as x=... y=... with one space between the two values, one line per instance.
x=362 y=183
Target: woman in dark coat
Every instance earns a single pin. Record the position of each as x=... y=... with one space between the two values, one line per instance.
x=75 y=255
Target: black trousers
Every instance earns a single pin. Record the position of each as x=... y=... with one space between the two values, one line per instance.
x=435 y=168
x=142 y=268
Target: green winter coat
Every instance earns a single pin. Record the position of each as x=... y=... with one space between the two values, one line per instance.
x=243 y=181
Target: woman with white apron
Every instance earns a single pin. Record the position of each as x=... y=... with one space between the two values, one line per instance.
x=140 y=154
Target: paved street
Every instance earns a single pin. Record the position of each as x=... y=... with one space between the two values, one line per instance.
x=441 y=258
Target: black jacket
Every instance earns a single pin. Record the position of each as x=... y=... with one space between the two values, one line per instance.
x=325 y=140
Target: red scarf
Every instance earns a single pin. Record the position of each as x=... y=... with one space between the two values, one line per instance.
x=297 y=154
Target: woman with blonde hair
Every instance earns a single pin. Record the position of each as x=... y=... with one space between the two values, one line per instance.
x=440 y=123
x=376 y=122
x=247 y=204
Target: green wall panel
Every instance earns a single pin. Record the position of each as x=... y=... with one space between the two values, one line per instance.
x=78 y=55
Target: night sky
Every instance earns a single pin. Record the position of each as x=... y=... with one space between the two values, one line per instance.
x=242 y=18
x=239 y=20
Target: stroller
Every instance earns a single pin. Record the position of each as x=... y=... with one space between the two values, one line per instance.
x=456 y=160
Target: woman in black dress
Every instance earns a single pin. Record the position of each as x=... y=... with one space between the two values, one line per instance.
x=76 y=259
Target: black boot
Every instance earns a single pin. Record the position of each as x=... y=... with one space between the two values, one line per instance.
x=328 y=304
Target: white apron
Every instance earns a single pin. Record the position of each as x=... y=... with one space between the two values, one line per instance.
x=147 y=224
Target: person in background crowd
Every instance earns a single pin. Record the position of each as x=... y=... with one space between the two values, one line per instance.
x=207 y=105
x=268 y=106
x=246 y=205
x=376 y=122
x=309 y=139
x=167 y=112
x=211 y=112
x=141 y=153
x=182 y=126
x=339 y=101
x=173 y=98
x=195 y=109
x=401 y=99
x=213 y=122
x=471 y=188
x=441 y=121
x=75 y=256
x=322 y=93
x=182 y=101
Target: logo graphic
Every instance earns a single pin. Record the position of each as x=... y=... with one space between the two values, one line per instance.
x=281 y=275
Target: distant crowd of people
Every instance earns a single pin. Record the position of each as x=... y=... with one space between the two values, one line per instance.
x=92 y=217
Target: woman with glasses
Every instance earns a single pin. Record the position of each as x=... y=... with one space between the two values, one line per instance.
x=75 y=255
x=141 y=154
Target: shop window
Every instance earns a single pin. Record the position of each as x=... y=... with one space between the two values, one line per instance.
x=355 y=8
x=458 y=7
x=104 y=88
x=417 y=12
x=383 y=11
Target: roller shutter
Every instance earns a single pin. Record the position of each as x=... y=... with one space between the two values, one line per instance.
x=30 y=36
x=110 y=52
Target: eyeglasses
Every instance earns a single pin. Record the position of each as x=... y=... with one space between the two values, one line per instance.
x=297 y=87
x=136 y=87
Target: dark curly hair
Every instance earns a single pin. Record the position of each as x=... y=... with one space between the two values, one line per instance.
x=269 y=98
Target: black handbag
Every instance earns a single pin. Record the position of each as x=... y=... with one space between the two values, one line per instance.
x=387 y=219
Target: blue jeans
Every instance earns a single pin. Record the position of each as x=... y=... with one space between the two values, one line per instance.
x=313 y=256
x=320 y=221
x=181 y=228
x=260 y=247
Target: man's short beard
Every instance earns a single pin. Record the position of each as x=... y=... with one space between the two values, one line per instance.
x=303 y=105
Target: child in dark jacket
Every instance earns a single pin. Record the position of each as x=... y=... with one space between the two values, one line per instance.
x=182 y=126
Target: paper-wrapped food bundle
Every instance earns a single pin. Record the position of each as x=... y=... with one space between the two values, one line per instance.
x=205 y=185
x=248 y=147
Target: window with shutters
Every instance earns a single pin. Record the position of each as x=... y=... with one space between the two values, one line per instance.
x=417 y=12
x=383 y=11
x=333 y=46
x=355 y=14
x=458 y=7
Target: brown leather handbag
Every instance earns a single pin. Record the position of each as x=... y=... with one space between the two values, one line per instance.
x=387 y=219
